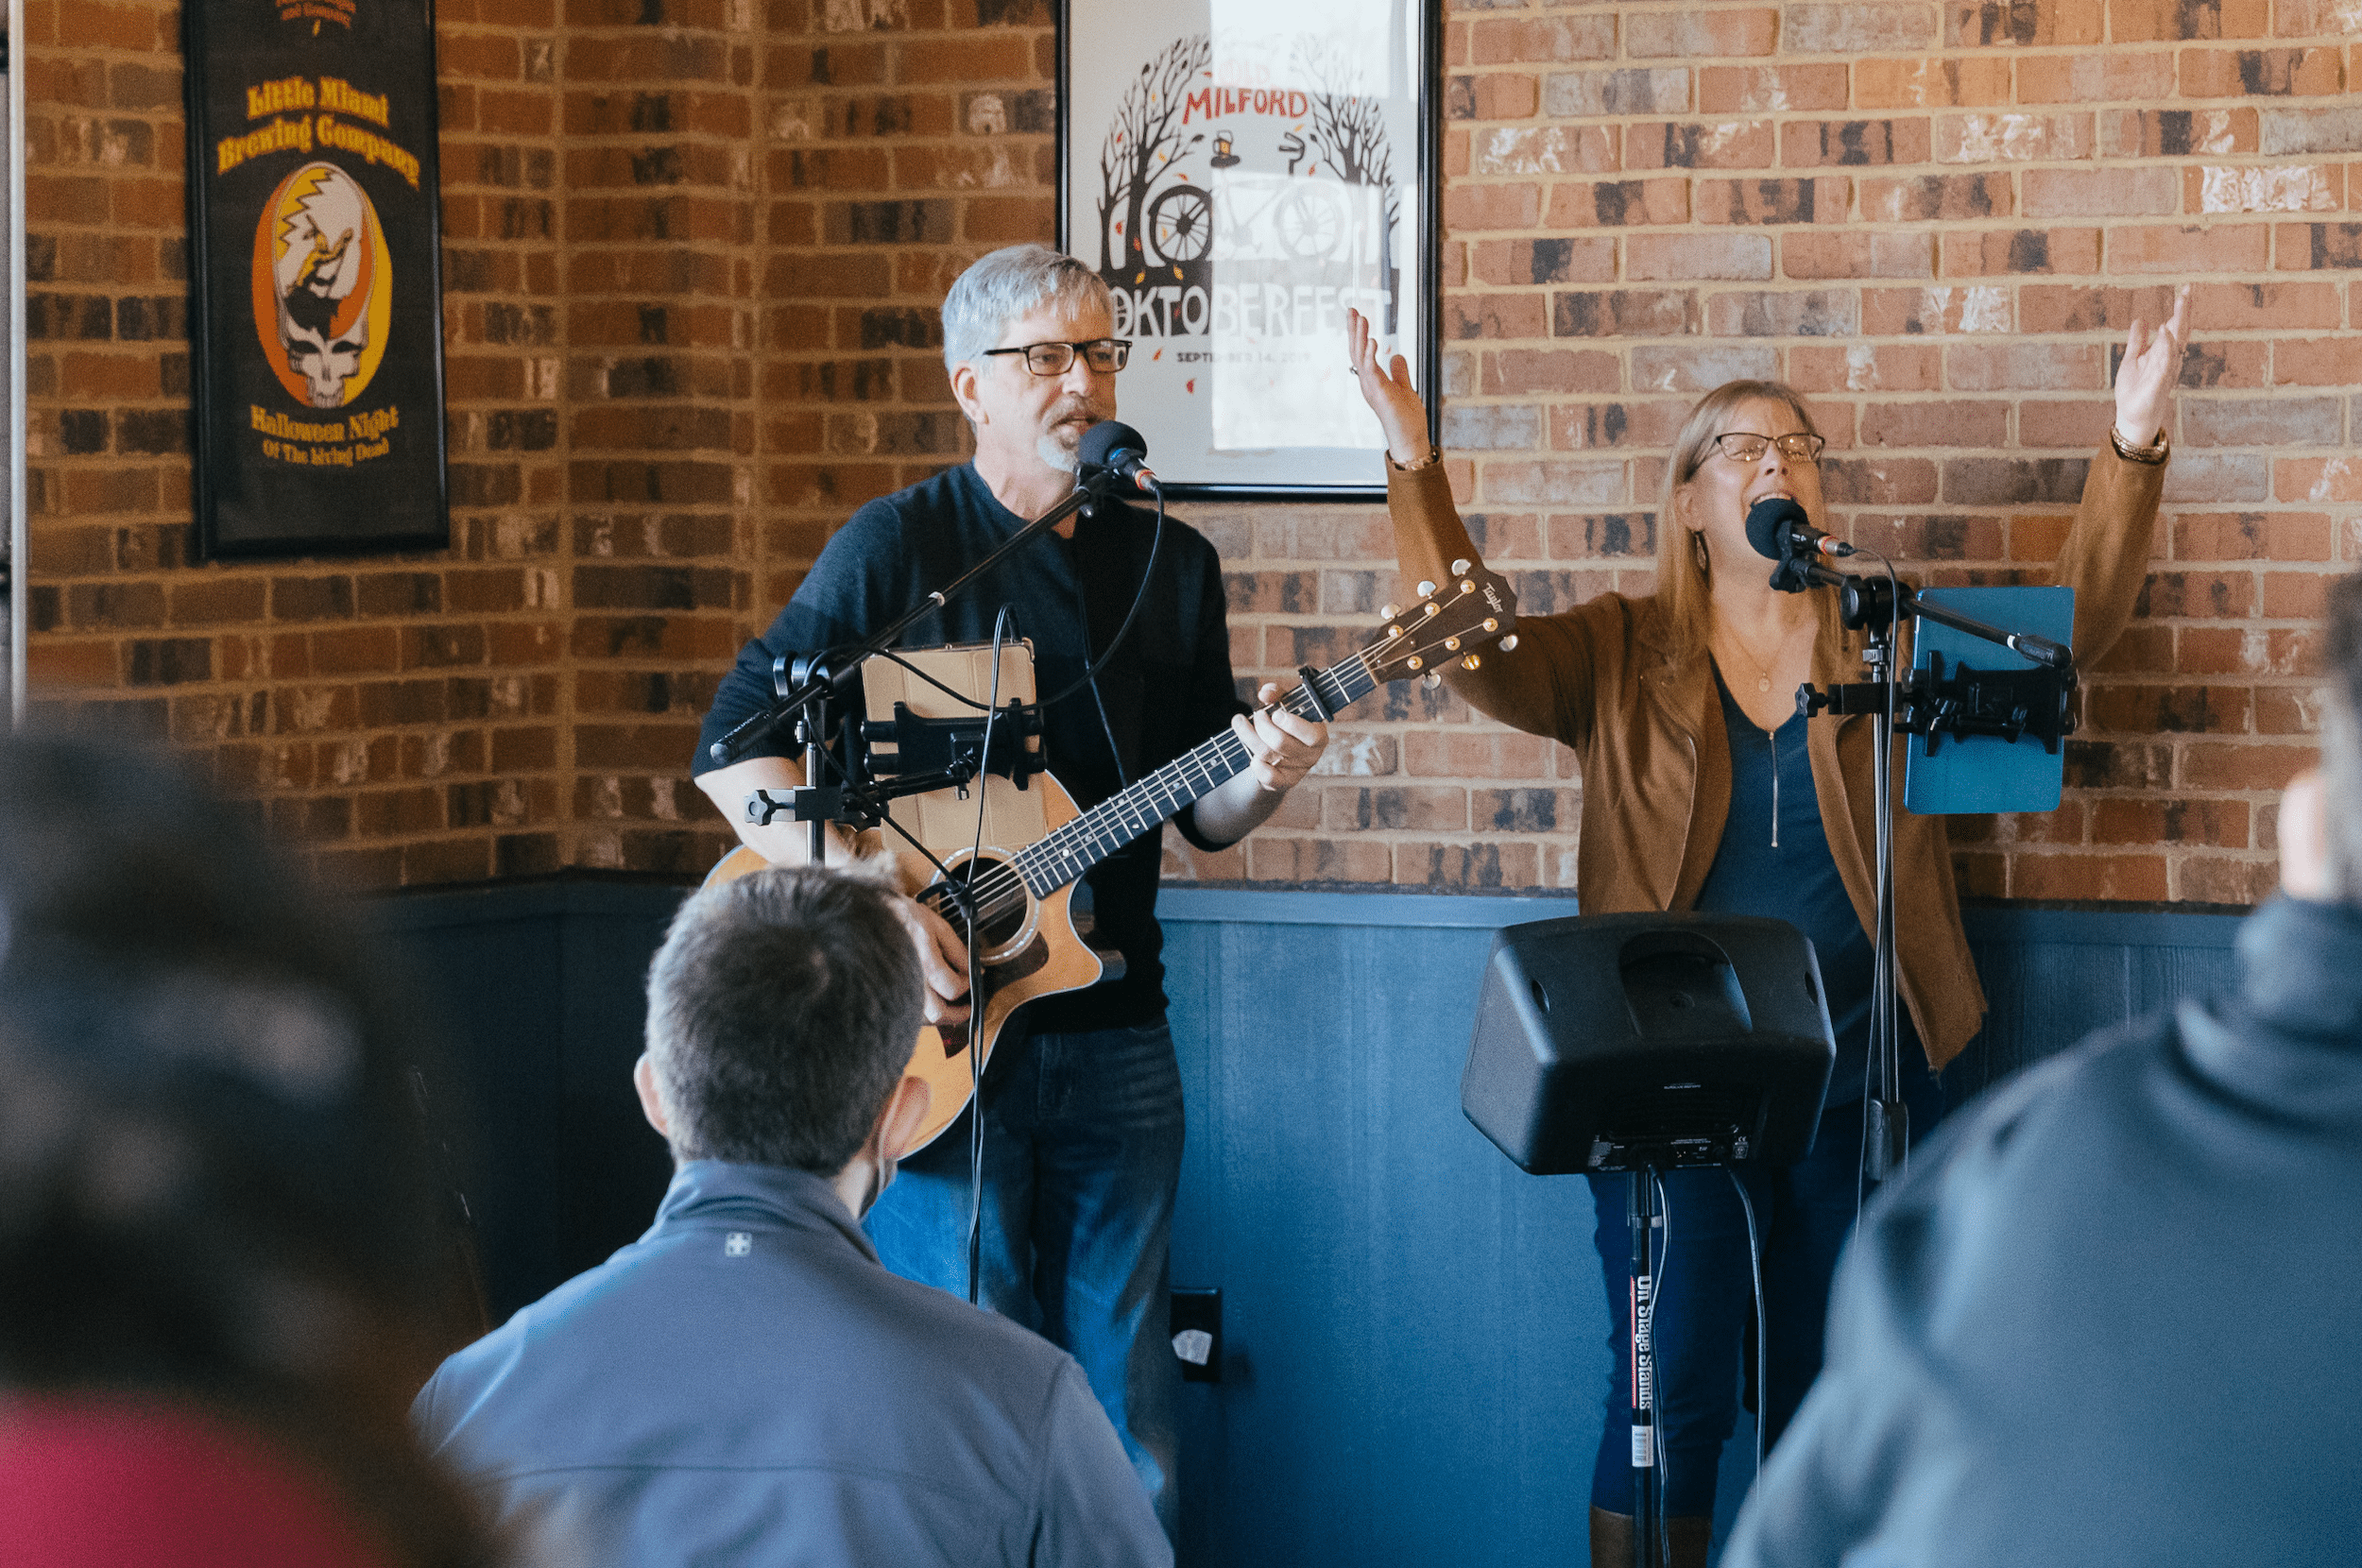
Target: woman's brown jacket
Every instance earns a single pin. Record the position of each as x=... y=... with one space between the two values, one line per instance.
x=1655 y=759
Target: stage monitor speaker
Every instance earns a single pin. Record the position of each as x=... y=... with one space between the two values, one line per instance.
x=1611 y=1041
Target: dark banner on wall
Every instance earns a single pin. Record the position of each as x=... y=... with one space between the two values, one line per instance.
x=315 y=255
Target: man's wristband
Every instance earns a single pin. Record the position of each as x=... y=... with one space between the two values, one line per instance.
x=2131 y=454
x=1434 y=455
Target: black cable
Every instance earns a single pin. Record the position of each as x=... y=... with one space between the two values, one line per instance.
x=1092 y=668
x=1763 y=1323
x=976 y=986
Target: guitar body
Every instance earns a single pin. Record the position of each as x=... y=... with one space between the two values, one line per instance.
x=1051 y=959
x=1029 y=944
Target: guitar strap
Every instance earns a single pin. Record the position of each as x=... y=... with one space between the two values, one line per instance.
x=1109 y=559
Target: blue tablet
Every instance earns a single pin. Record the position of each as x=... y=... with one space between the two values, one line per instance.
x=1984 y=772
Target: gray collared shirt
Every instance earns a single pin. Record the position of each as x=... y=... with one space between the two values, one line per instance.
x=744 y=1384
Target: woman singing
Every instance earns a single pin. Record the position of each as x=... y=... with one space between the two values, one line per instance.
x=1704 y=790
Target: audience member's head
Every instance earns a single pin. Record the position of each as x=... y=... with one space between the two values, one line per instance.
x=2321 y=815
x=2341 y=741
x=781 y=1010
x=214 y=1194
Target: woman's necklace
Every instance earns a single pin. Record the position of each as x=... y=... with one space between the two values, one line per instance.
x=1763 y=676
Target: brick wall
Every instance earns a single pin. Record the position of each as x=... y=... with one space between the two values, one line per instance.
x=693 y=249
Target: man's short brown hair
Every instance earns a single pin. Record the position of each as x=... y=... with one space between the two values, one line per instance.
x=781 y=1010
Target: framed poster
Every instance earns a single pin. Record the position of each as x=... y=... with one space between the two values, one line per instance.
x=1242 y=172
x=315 y=272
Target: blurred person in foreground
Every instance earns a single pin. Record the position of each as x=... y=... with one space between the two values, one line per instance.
x=747 y=1383
x=2110 y=1315
x=222 y=1269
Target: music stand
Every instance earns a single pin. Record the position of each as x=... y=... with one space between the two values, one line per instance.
x=1642 y=1042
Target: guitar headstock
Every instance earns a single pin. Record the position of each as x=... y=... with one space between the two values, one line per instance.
x=1453 y=620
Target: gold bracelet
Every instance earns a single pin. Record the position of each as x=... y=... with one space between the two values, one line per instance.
x=1434 y=455
x=2153 y=455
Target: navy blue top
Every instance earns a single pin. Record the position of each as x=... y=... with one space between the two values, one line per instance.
x=1786 y=873
x=1168 y=686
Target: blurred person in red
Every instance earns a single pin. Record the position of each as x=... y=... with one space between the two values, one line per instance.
x=224 y=1263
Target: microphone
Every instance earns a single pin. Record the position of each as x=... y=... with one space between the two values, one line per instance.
x=1777 y=528
x=1113 y=447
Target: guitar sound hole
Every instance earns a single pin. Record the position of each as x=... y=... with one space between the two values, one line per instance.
x=1002 y=894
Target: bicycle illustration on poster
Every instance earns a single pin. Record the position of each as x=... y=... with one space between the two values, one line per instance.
x=1242 y=173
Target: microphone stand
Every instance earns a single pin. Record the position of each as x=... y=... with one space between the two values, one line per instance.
x=1873 y=604
x=803 y=686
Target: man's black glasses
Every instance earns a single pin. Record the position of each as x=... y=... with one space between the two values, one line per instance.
x=1106 y=355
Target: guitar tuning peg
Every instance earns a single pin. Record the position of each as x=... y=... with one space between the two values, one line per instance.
x=1451 y=644
x=1416 y=662
x=1426 y=588
x=1387 y=612
x=1432 y=680
x=1469 y=662
x=1509 y=643
x=1459 y=567
x=1491 y=624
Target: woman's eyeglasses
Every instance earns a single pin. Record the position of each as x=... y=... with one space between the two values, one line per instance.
x=1744 y=447
x=1106 y=355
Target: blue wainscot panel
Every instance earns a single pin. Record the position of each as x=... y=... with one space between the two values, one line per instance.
x=1417 y=1356
x=1417 y=1349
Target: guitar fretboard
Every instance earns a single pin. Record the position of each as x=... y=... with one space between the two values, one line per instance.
x=1090 y=837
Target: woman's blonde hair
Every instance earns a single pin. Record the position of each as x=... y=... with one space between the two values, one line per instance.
x=1682 y=584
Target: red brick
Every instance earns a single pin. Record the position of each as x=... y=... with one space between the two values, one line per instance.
x=2165 y=247
x=1689 y=145
x=1930 y=82
x=2230 y=766
x=2335 y=480
x=1769 y=89
x=1535 y=42
x=1851 y=143
x=2130 y=878
x=1716 y=34
x=2317 y=362
x=1850 y=255
x=1991 y=253
x=1698 y=257
x=2096 y=76
x=2100 y=192
x=1864 y=26
x=2248 y=72
x=1861 y=368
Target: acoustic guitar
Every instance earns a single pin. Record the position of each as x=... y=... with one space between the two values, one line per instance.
x=1026 y=933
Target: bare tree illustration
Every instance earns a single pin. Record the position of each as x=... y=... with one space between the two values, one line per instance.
x=1141 y=143
x=1347 y=132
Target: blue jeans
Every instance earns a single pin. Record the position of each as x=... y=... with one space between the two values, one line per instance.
x=1705 y=1299
x=1081 y=1160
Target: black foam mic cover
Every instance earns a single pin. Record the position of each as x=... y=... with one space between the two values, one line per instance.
x=1107 y=438
x=1770 y=521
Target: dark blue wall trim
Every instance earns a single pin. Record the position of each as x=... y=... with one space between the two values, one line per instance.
x=1417 y=1353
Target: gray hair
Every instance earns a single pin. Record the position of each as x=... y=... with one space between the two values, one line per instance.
x=2341 y=740
x=1016 y=281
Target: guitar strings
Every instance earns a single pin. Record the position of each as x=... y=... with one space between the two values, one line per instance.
x=1005 y=887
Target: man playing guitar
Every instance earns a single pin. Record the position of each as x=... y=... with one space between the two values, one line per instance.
x=1081 y=1105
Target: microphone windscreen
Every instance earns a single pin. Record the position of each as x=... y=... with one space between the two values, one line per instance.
x=1767 y=524
x=1104 y=439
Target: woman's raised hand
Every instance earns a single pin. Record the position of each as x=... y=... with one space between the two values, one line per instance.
x=1388 y=391
x=2152 y=365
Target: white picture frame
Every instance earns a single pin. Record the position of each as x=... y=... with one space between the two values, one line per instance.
x=1241 y=172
